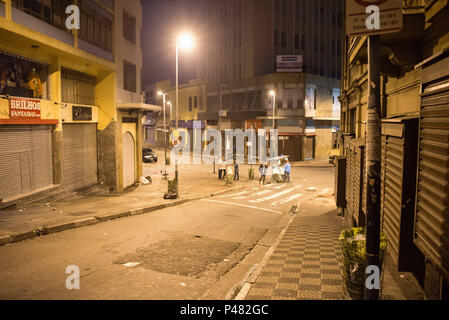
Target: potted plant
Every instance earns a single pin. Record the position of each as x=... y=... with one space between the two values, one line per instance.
x=353 y=246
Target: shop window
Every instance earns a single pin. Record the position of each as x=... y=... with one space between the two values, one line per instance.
x=21 y=77
x=129 y=27
x=129 y=76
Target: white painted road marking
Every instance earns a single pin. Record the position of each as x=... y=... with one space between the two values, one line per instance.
x=293 y=197
x=233 y=195
x=242 y=205
x=273 y=196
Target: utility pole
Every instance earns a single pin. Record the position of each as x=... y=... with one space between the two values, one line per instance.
x=373 y=160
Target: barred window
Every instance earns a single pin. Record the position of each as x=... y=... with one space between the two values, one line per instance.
x=129 y=27
x=77 y=87
x=95 y=28
x=129 y=76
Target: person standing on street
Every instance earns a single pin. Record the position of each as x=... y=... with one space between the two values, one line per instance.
x=236 y=171
x=287 y=170
x=263 y=173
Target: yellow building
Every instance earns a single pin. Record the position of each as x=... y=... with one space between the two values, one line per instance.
x=192 y=102
x=69 y=98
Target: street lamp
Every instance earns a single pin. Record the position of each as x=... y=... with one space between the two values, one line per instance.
x=273 y=94
x=165 y=127
x=185 y=41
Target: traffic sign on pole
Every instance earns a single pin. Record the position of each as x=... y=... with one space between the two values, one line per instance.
x=373 y=17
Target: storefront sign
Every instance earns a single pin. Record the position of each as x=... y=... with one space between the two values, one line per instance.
x=129 y=120
x=81 y=113
x=289 y=64
x=24 y=109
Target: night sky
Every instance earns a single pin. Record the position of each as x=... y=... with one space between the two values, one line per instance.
x=163 y=20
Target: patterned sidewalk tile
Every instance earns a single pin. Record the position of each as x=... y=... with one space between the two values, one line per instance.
x=304 y=265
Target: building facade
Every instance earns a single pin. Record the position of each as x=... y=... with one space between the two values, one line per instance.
x=192 y=102
x=70 y=108
x=415 y=136
x=290 y=46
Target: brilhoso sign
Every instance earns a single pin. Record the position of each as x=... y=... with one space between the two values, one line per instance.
x=24 y=109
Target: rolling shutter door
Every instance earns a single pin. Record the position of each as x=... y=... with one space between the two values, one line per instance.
x=392 y=192
x=432 y=216
x=359 y=164
x=80 y=156
x=25 y=160
x=349 y=178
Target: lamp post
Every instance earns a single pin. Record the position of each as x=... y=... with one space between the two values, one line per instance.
x=165 y=127
x=185 y=41
x=273 y=94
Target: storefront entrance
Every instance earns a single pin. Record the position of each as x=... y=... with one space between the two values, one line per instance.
x=25 y=160
x=80 y=155
x=129 y=160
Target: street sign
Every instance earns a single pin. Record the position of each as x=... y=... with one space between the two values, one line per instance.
x=373 y=17
x=222 y=113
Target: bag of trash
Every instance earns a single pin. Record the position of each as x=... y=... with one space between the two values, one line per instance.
x=144 y=181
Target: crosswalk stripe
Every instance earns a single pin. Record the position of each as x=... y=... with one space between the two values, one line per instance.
x=261 y=193
x=242 y=205
x=273 y=196
x=293 y=197
x=233 y=195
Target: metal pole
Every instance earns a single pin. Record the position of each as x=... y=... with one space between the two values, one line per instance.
x=165 y=129
x=177 y=82
x=274 y=105
x=373 y=160
x=177 y=109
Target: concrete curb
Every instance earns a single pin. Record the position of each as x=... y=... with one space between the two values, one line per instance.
x=59 y=227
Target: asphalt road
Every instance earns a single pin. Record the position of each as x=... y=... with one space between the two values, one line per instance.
x=200 y=250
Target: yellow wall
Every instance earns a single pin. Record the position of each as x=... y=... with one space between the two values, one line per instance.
x=105 y=100
x=184 y=94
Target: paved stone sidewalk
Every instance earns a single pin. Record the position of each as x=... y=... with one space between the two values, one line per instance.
x=304 y=265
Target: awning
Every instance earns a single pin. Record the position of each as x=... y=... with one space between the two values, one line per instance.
x=138 y=106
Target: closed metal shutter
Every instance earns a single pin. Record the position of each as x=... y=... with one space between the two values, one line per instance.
x=25 y=160
x=432 y=216
x=354 y=179
x=359 y=165
x=391 y=207
x=349 y=180
x=80 y=155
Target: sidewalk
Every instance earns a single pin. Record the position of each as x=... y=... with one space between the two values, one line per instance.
x=88 y=208
x=305 y=265
x=313 y=164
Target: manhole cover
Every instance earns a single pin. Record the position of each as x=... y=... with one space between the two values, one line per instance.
x=187 y=256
